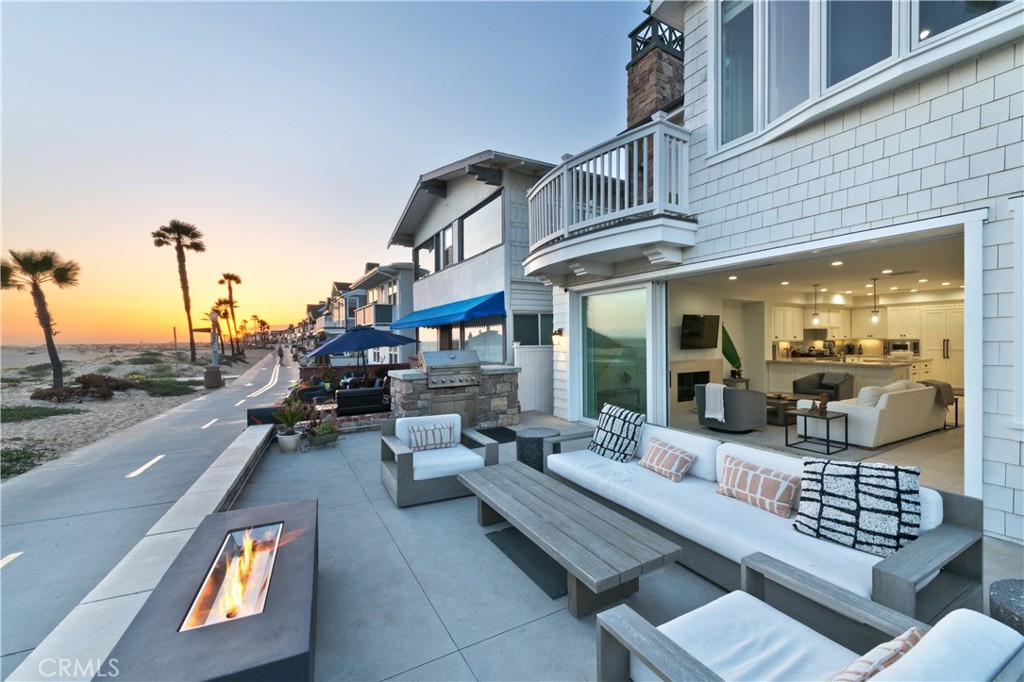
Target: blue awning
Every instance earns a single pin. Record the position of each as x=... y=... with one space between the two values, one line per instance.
x=450 y=313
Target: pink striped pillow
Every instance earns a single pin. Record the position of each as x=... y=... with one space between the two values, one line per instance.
x=879 y=658
x=431 y=437
x=667 y=460
x=758 y=485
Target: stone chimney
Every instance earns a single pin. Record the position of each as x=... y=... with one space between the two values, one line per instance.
x=654 y=75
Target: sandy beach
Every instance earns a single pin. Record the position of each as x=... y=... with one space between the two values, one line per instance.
x=56 y=436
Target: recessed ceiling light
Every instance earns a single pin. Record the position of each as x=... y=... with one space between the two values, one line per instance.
x=886 y=272
x=732 y=277
x=922 y=281
x=847 y=292
x=913 y=291
x=893 y=288
x=869 y=286
x=837 y=262
x=961 y=286
x=945 y=284
x=785 y=284
x=823 y=290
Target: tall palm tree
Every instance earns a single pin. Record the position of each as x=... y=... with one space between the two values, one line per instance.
x=32 y=269
x=230 y=278
x=184 y=237
x=255 y=323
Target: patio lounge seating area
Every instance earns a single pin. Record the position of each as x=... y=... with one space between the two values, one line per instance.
x=422 y=593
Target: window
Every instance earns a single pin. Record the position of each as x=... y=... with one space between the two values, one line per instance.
x=486 y=336
x=446 y=247
x=737 y=69
x=789 y=55
x=615 y=351
x=428 y=338
x=938 y=16
x=423 y=256
x=532 y=329
x=859 y=35
x=481 y=228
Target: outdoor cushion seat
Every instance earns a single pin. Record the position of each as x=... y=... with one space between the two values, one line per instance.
x=429 y=475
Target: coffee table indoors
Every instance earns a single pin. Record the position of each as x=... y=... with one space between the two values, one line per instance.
x=813 y=443
x=603 y=552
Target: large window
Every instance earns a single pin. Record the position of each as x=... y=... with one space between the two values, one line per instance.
x=859 y=35
x=615 y=351
x=473 y=233
x=935 y=17
x=487 y=337
x=481 y=229
x=788 y=56
x=737 y=69
x=532 y=329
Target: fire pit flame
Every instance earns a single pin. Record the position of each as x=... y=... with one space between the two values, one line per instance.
x=237 y=586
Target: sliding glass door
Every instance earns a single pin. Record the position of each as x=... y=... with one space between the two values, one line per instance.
x=614 y=350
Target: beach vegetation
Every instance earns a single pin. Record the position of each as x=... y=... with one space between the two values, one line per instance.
x=37 y=371
x=33 y=269
x=23 y=413
x=18 y=460
x=146 y=358
x=184 y=237
x=105 y=369
x=165 y=388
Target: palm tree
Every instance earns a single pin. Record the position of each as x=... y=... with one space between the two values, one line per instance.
x=184 y=237
x=33 y=269
x=255 y=323
x=229 y=278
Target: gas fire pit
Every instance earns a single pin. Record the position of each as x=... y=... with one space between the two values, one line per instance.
x=239 y=602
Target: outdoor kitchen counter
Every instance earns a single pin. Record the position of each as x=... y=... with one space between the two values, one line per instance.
x=874 y=372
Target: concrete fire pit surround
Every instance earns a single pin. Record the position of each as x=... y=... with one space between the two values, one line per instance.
x=277 y=644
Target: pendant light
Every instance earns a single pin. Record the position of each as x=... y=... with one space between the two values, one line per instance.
x=874 y=312
x=816 y=319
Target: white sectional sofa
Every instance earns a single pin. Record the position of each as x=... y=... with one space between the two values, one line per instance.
x=716 y=531
x=881 y=414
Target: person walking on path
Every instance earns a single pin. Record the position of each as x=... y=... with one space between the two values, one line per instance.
x=280 y=354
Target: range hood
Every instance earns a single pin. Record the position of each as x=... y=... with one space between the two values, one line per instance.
x=816 y=334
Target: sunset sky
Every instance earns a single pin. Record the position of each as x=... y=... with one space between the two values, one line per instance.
x=290 y=134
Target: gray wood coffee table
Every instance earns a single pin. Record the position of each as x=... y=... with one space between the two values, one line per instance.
x=603 y=552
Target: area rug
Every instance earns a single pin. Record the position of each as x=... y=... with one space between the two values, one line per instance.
x=544 y=571
x=502 y=434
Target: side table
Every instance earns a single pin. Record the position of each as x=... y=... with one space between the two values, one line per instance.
x=1006 y=602
x=813 y=443
x=530 y=445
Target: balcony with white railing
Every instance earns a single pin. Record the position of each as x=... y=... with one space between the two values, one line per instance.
x=623 y=199
x=375 y=314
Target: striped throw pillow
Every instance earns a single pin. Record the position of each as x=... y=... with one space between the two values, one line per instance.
x=758 y=485
x=667 y=460
x=617 y=434
x=879 y=658
x=431 y=436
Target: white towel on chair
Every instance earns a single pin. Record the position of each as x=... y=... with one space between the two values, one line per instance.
x=714 y=401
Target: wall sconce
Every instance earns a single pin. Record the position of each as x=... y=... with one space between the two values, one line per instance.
x=556 y=337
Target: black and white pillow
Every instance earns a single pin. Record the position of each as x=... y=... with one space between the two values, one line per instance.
x=875 y=508
x=618 y=433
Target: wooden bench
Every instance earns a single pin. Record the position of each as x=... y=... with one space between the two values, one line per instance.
x=603 y=552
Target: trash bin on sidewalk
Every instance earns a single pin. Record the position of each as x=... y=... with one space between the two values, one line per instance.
x=530 y=445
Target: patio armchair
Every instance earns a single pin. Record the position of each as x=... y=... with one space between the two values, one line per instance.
x=837 y=385
x=739 y=636
x=421 y=457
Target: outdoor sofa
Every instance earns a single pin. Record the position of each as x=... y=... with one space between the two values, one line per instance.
x=361 y=401
x=717 y=531
x=738 y=636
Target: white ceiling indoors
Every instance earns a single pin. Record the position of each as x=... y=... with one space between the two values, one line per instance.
x=936 y=260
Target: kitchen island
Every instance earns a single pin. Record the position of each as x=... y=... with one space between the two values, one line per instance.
x=866 y=370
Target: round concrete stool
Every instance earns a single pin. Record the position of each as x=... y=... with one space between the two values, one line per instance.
x=1006 y=602
x=530 y=445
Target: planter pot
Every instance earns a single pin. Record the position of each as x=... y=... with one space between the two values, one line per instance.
x=288 y=443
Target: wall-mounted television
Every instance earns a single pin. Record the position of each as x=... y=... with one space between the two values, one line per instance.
x=699 y=331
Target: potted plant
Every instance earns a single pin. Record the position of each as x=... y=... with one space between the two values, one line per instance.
x=327 y=376
x=290 y=414
x=732 y=356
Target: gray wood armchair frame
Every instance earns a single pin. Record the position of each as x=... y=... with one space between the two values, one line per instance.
x=396 y=468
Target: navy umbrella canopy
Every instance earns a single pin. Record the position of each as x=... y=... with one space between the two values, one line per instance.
x=360 y=338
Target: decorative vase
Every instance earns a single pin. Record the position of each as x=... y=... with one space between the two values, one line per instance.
x=288 y=443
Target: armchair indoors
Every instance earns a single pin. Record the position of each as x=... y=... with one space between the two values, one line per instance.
x=740 y=636
x=420 y=457
x=744 y=410
x=837 y=385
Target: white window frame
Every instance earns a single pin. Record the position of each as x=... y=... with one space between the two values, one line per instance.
x=911 y=60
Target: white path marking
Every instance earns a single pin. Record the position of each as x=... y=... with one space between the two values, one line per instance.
x=240 y=402
x=270 y=383
x=208 y=424
x=9 y=558
x=144 y=466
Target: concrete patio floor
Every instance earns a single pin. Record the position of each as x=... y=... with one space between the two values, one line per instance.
x=421 y=594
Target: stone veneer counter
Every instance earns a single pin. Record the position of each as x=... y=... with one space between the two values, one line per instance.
x=497 y=396
x=782 y=373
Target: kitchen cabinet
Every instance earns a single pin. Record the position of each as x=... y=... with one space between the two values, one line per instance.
x=904 y=322
x=942 y=339
x=787 y=323
x=839 y=323
x=919 y=371
x=863 y=328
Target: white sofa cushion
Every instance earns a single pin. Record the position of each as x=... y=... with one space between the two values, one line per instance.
x=869 y=395
x=741 y=638
x=880 y=658
x=444 y=462
x=964 y=645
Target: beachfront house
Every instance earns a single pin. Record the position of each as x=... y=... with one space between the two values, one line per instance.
x=467 y=225
x=389 y=290
x=800 y=173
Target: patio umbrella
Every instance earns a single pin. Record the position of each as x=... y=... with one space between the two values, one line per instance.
x=359 y=339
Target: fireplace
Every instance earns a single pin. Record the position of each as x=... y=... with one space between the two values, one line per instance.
x=685 y=381
x=238 y=603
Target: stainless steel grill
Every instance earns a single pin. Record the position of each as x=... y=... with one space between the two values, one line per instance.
x=451 y=368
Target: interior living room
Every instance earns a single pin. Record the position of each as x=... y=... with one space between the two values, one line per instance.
x=767 y=311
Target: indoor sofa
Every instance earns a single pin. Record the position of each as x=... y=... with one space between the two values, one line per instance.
x=881 y=414
x=716 y=531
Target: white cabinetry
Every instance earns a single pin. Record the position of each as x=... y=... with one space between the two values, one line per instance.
x=787 y=323
x=863 y=328
x=904 y=322
x=919 y=371
x=942 y=339
x=839 y=323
